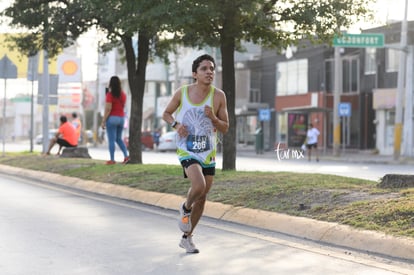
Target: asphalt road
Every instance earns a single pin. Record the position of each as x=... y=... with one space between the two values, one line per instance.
x=47 y=229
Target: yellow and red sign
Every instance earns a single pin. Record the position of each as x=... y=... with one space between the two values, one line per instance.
x=69 y=69
x=20 y=60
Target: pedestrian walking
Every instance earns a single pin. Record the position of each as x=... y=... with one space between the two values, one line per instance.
x=312 y=141
x=197 y=111
x=114 y=119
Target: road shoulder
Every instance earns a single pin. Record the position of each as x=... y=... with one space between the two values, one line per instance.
x=325 y=232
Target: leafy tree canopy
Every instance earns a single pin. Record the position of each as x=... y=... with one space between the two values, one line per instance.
x=216 y=23
x=50 y=25
x=137 y=25
x=270 y=23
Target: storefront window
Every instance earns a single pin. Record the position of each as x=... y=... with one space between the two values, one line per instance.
x=370 y=61
x=283 y=129
x=350 y=75
x=297 y=127
x=292 y=77
x=329 y=76
x=392 y=60
x=389 y=128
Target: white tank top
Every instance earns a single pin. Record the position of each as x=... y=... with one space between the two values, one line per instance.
x=200 y=144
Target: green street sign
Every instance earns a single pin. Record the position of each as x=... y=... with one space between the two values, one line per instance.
x=363 y=40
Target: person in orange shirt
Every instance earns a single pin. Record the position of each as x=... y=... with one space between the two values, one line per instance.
x=65 y=137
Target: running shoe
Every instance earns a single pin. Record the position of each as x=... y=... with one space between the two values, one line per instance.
x=110 y=162
x=126 y=160
x=188 y=245
x=185 y=220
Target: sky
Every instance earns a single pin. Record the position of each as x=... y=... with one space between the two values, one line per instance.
x=386 y=10
x=389 y=10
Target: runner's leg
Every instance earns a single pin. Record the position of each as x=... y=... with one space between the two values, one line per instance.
x=198 y=205
x=198 y=184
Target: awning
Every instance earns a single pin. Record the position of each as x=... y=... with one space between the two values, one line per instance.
x=240 y=112
x=306 y=109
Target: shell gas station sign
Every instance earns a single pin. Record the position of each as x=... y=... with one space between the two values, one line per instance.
x=69 y=69
x=70 y=87
x=69 y=97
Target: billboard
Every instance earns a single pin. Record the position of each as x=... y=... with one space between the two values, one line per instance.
x=297 y=128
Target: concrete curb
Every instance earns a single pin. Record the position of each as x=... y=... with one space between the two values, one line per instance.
x=332 y=233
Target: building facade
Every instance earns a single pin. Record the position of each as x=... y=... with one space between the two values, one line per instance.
x=299 y=87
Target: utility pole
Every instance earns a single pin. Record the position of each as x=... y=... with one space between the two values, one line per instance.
x=97 y=107
x=408 y=109
x=45 y=94
x=336 y=100
x=400 y=88
x=32 y=75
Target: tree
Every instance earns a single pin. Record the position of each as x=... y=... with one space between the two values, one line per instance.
x=128 y=19
x=37 y=17
x=45 y=25
x=63 y=21
x=217 y=23
x=271 y=23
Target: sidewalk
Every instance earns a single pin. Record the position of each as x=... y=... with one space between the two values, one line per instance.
x=347 y=155
x=343 y=236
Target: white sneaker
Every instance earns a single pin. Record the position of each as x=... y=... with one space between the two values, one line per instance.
x=184 y=223
x=188 y=245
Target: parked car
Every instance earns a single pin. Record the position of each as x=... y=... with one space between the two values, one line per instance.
x=147 y=142
x=39 y=138
x=168 y=142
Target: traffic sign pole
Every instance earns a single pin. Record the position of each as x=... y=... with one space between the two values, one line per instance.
x=7 y=70
x=4 y=116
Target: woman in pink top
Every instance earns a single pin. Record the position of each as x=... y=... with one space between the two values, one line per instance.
x=114 y=118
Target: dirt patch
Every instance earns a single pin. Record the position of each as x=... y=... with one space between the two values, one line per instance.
x=333 y=198
x=364 y=196
x=396 y=181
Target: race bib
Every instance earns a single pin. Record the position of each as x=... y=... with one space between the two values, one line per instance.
x=198 y=144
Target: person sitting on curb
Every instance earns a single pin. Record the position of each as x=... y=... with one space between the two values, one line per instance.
x=66 y=136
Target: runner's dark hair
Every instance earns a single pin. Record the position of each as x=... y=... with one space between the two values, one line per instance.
x=200 y=59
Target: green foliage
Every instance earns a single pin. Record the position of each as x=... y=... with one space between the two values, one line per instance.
x=51 y=25
x=269 y=23
x=136 y=25
x=56 y=24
